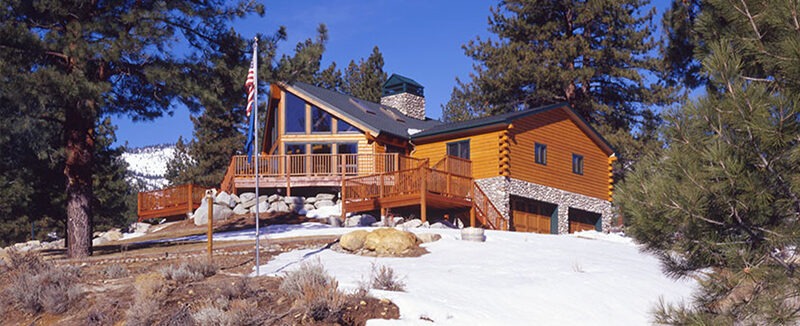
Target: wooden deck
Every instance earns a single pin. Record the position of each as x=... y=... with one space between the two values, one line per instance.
x=169 y=202
x=368 y=182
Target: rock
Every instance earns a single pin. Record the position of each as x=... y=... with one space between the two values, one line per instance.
x=99 y=241
x=359 y=220
x=240 y=210
x=279 y=207
x=307 y=207
x=323 y=203
x=248 y=199
x=428 y=237
x=236 y=199
x=335 y=221
x=324 y=196
x=112 y=235
x=292 y=200
x=311 y=200
x=139 y=227
x=389 y=241
x=354 y=240
x=263 y=207
x=224 y=199
x=220 y=212
x=274 y=198
x=415 y=223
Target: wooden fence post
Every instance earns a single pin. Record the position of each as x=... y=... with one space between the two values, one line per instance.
x=210 y=203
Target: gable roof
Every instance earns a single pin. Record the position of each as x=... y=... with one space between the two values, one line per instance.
x=508 y=118
x=396 y=79
x=378 y=118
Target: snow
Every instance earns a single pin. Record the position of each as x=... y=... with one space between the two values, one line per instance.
x=325 y=212
x=148 y=165
x=588 y=278
x=412 y=131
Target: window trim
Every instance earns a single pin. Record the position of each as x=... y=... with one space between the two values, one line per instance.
x=459 y=143
x=577 y=164
x=536 y=157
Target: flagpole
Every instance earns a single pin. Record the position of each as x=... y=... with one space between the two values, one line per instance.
x=255 y=145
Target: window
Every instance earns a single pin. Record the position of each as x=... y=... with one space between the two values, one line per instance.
x=577 y=164
x=293 y=149
x=540 y=153
x=459 y=149
x=321 y=148
x=347 y=148
x=345 y=127
x=320 y=120
x=295 y=114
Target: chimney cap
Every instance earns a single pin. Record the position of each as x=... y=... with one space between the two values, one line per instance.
x=397 y=84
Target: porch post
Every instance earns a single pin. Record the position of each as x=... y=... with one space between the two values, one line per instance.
x=423 y=205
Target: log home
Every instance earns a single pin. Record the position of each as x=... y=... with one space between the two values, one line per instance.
x=537 y=170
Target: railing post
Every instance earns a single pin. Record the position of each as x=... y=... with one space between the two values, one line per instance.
x=190 y=198
x=344 y=199
x=288 y=175
x=380 y=185
x=396 y=162
x=210 y=203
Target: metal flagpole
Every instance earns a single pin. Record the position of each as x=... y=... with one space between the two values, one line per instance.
x=255 y=143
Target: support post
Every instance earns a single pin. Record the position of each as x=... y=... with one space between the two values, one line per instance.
x=344 y=200
x=472 y=215
x=210 y=234
x=190 y=200
x=423 y=205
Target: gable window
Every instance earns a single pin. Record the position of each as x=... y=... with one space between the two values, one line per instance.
x=459 y=149
x=540 y=153
x=343 y=127
x=320 y=120
x=577 y=164
x=295 y=113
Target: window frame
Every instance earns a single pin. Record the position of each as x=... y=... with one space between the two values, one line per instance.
x=577 y=164
x=540 y=153
x=459 y=147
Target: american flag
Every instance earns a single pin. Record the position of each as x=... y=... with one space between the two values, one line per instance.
x=250 y=86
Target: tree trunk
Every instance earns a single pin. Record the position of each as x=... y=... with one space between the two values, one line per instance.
x=79 y=130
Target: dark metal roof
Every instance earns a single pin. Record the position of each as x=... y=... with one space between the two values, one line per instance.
x=396 y=79
x=380 y=118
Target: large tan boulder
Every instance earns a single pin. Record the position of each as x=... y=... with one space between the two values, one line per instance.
x=389 y=241
x=353 y=241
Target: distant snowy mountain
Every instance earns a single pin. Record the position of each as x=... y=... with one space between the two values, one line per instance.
x=148 y=165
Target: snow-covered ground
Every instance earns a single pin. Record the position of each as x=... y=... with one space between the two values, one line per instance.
x=513 y=278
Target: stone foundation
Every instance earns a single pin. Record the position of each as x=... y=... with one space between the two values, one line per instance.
x=499 y=190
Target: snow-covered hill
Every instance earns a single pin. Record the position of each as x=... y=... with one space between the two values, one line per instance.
x=147 y=165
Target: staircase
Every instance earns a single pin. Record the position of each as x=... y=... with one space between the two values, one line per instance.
x=485 y=211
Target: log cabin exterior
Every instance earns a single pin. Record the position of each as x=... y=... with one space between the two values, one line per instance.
x=538 y=170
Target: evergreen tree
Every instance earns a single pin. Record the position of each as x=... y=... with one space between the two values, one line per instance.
x=594 y=55
x=330 y=78
x=181 y=169
x=110 y=204
x=365 y=80
x=723 y=199
x=85 y=61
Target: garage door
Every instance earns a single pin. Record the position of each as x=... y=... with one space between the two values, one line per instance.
x=580 y=220
x=531 y=215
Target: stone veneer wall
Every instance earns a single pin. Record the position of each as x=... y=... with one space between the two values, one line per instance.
x=497 y=190
x=409 y=104
x=564 y=200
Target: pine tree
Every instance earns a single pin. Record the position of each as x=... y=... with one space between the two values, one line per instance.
x=84 y=61
x=723 y=199
x=181 y=169
x=365 y=80
x=595 y=55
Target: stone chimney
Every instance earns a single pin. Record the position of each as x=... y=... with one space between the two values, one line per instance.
x=405 y=95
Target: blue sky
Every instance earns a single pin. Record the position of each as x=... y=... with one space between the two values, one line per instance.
x=419 y=39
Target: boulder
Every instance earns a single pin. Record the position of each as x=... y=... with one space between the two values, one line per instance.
x=443 y=225
x=220 y=212
x=139 y=227
x=112 y=235
x=323 y=203
x=279 y=207
x=389 y=241
x=324 y=196
x=263 y=207
x=335 y=221
x=307 y=207
x=236 y=198
x=293 y=200
x=353 y=241
x=99 y=241
x=428 y=237
x=311 y=200
x=224 y=199
x=240 y=210
x=415 y=223
x=248 y=199
x=359 y=220
x=273 y=198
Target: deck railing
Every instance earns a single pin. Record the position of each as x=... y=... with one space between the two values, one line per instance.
x=486 y=211
x=455 y=165
x=173 y=201
x=315 y=165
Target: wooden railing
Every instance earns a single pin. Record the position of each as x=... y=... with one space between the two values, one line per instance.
x=486 y=211
x=454 y=165
x=173 y=201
